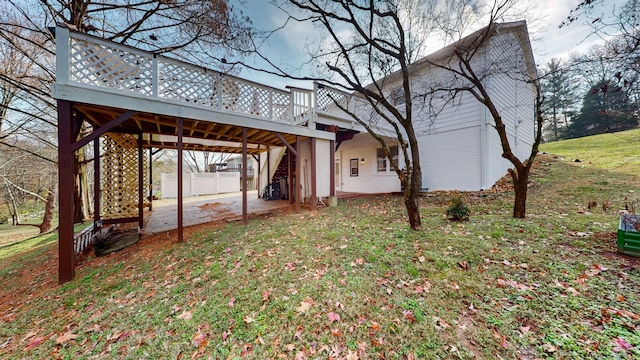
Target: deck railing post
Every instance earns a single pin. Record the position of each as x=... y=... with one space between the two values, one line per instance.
x=63 y=55
x=219 y=91
x=270 y=103
x=156 y=76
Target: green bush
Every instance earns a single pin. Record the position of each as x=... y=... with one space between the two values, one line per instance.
x=458 y=210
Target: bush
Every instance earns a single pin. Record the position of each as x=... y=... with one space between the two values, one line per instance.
x=458 y=210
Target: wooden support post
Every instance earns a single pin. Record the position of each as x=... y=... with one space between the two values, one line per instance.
x=66 y=265
x=244 y=176
x=314 y=195
x=332 y=167
x=140 y=183
x=180 y=239
x=150 y=179
x=290 y=171
x=96 y=183
x=298 y=176
x=268 y=168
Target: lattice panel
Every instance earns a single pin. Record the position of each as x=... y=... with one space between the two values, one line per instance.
x=120 y=176
x=281 y=108
x=325 y=100
x=189 y=84
x=97 y=65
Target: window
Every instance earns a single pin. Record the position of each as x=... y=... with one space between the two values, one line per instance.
x=397 y=96
x=354 y=167
x=383 y=163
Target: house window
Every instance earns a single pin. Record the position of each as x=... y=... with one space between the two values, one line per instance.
x=397 y=96
x=354 y=167
x=383 y=163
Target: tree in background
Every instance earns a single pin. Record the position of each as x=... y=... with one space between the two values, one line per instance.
x=195 y=30
x=605 y=108
x=559 y=91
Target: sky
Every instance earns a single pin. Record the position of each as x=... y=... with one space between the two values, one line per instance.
x=548 y=40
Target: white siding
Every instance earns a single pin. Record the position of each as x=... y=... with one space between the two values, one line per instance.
x=451 y=160
x=368 y=181
x=514 y=100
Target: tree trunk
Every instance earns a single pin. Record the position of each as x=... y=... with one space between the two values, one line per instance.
x=412 y=197
x=520 y=182
x=80 y=188
x=48 y=213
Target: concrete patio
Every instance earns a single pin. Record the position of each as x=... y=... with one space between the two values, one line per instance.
x=203 y=209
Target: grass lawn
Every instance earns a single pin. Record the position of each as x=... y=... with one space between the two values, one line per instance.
x=618 y=152
x=352 y=282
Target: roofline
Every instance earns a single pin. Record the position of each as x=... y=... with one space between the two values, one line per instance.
x=446 y=52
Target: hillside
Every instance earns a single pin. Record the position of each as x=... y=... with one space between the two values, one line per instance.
x=352 y=282
x=618 y=152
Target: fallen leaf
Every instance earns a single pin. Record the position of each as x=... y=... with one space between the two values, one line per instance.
x=352 y=355
x=621 y=298
x=549 y=348
x=305 y=305
x=525 y=329
x=409 y=315
x=336 y=332
x=573 y=291
x=298 y=334
x=375 y=326
x=463 y=265
x=66 y=337
x=186 y=315
x=421 y=259
x=248 y=319
x=504 y=343
x=622 y=343
x=333 y=317
x=231 y=302
x=34 y=343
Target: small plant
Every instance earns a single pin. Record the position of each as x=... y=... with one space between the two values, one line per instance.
x=458 y=210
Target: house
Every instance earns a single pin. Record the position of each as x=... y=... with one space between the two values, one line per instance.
x=459 y=148
x=234 y=164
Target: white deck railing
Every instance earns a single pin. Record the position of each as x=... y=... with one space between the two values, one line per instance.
x=90 y=62
x=87 y=61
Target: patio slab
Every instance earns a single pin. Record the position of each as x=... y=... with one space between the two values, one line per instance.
x=203 y=209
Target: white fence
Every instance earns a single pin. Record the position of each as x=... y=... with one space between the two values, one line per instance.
x=195 y=184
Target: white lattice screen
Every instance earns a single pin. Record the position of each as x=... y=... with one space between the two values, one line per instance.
x=119 y=176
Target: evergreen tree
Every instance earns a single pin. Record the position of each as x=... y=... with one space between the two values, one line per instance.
x=605 y=108
x=559 y=91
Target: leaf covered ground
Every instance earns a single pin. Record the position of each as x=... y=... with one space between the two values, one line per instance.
x=352 y=282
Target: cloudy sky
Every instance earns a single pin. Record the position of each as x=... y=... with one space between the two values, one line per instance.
x=288 y=46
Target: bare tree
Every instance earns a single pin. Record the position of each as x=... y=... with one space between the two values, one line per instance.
x=372 y=49
x=472 y=67
x=195 y=30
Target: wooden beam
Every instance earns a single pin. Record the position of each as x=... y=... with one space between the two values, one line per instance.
x=314 y=195
x=286 y=143
x=298 y=172
x=180 y=199
x=332 y=168
x=102 y=130
x=66 y=265
x=140 y=184
x=244 y=176
x=96 y=183
x=150 y=179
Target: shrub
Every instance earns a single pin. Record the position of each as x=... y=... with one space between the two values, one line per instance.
x=458 y=210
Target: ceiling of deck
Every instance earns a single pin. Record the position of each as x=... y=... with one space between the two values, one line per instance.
x=161 y=131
